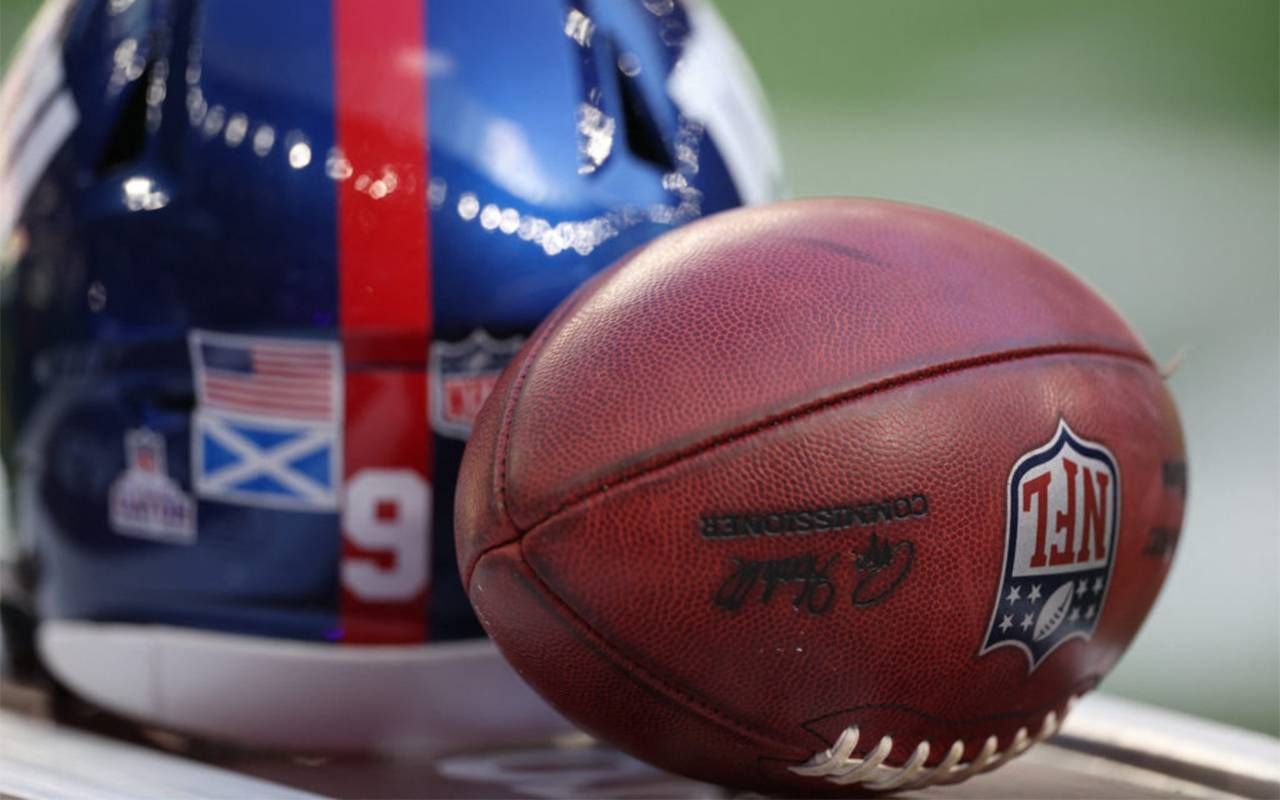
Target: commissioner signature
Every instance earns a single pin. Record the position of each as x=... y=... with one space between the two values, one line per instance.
x=812 y=582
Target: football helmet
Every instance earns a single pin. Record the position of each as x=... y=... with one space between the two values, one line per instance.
x=262 y=262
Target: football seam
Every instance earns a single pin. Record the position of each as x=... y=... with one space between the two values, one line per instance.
x=671 y=693
x=569 y=616
x=642 y=469
x=638 y=672
x=534 y=348
x=1080 y=687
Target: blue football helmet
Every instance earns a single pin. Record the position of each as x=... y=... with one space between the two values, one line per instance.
x=261 y=264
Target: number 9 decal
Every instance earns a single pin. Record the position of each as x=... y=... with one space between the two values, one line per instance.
x=387 y=510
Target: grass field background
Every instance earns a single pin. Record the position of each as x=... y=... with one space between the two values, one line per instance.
x=1136 y=141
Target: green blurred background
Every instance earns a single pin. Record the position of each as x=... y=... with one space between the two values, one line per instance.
x=1136 y=141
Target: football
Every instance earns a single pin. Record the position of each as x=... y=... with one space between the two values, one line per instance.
x=824 y=496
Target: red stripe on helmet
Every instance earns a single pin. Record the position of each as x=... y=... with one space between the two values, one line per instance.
x=384 y=250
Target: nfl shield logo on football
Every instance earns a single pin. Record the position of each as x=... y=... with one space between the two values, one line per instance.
x=1062 y=526
x=463 y=375
x=144 y=501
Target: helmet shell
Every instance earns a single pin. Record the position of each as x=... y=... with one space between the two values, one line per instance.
x=261 y=265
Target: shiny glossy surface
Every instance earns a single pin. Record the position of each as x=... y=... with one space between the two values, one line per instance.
x=198 y=187
x=753 y=484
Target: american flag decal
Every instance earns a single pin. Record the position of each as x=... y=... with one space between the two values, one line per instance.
x=267 y=421
x=294 y=378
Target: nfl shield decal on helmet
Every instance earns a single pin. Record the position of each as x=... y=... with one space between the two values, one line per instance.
x=462 y=376
x=1063 y=517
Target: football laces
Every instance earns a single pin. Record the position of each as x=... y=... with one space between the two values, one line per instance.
x=838 y=765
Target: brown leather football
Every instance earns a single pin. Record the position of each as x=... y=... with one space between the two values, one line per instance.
x=829 y=495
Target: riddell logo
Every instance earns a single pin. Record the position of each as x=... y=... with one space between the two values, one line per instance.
x=1062 y=518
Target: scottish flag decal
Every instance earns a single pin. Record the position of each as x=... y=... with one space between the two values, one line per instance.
x=267 y=429
x=1063 y=519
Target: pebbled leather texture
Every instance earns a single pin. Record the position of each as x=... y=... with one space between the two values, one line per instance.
x=806 y=355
